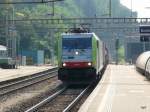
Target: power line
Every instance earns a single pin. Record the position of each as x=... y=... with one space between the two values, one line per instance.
x=38 y=2
x=87 y=20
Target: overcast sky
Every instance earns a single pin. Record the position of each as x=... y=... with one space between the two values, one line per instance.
x=138 y=5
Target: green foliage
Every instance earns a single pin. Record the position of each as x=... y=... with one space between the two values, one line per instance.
x=35 y=36
x=5 y=12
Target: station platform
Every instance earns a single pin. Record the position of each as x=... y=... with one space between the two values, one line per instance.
x=121 y=89
x=21 y=71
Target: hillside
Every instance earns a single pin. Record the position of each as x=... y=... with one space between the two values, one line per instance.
x=79 y=8
x=100 y=8
x=36 y=36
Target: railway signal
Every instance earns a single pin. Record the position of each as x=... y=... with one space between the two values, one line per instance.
x=144 y=33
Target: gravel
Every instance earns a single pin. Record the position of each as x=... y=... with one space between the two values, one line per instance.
x=27 y=97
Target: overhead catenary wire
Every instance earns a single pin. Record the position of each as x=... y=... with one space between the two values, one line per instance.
x=34 y=2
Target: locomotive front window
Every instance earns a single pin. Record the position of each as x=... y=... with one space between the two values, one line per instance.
x=77 y=43
x=3 y=53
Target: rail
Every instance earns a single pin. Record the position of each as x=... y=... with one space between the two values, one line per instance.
x=45 y=100
x=4 y=87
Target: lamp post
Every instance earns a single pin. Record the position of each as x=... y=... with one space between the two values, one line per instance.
x=110 y=8
x=12 y=39
x=131 y=9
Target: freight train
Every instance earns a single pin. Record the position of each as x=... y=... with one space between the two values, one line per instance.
x=82 y=57
x=143 y=64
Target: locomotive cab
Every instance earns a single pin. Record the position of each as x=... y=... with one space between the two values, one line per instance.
x=76 y=58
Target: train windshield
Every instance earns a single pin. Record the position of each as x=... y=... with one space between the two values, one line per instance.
x=3 y=54
x=77 y=43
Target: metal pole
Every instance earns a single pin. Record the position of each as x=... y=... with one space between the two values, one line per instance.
x=53 y=8
x=6 y=31
x=117 y=47
x=13 y=37
x=144 y=47
x=52 y=47
x=110 y=8
x=131 y=9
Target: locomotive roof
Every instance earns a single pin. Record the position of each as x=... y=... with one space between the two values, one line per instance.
x=89 y=34
x=3 y=48
x=77 y=33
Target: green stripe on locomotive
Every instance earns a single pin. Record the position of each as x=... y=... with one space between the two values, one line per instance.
x=7 y=61
x=94 y=52
x=4 y=61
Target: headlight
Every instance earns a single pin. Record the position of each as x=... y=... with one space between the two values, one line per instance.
x=77 y=53
x=64 y=64
x=89 y=64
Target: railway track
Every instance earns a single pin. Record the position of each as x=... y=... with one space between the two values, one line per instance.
x=61 y=101
x=18 y=84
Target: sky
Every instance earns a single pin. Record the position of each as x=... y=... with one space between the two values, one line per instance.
x=141 y=6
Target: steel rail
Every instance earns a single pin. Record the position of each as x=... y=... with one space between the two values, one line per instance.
x=28 y=79
x=35 y=107
x=1 y=94
x=67 y=109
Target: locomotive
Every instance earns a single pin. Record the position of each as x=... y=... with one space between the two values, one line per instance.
x=143 y=64
x=82 y=57
x=5 y=61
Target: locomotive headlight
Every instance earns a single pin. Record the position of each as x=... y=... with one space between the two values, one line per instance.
x=64 y=64
x=89 y=64
x=76 y=52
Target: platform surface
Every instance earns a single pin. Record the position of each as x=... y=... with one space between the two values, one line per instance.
x=121 y=89
x=8 y=74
